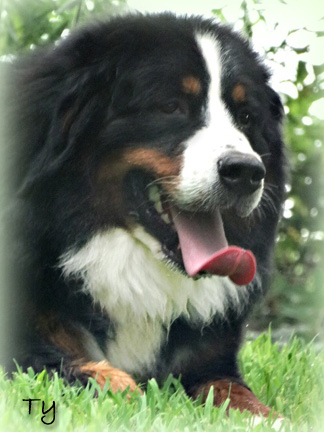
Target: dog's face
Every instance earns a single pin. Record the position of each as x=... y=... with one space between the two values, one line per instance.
x=179 y=131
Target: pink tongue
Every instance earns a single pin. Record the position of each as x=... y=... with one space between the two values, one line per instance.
x=204 y=247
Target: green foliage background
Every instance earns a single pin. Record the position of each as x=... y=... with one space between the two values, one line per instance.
x=296 y=300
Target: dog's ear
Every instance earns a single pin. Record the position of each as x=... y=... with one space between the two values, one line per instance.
x=66 y=92
x=275 y=105
x=66 y=121
x=57 y=146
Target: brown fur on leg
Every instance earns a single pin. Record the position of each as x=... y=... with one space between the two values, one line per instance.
x=103 y=371
x=240 y=397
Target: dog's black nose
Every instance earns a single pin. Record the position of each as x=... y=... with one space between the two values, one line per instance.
x=241 y=172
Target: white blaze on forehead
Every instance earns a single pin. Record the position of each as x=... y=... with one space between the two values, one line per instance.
x=218 y=136
x=219 y=123
x=211 y=53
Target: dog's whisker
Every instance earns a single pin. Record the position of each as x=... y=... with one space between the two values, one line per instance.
x=162 y=180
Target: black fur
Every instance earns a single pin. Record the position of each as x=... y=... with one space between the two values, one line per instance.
x=86 y=99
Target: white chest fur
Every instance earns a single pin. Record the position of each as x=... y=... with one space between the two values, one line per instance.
x=126 y=274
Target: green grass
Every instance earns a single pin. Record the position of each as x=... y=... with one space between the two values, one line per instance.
x=289 y=378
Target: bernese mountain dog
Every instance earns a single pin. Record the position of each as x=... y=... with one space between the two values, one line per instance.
x=150 y=179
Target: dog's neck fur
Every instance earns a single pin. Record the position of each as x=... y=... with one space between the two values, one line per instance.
x=125 y=273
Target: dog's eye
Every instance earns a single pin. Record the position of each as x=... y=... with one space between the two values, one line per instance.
x=171 y=107
x=244 y=118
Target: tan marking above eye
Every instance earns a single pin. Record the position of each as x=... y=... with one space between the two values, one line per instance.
x=239 y=93
x=191 y=85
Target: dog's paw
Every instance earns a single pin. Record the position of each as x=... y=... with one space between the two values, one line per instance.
x=239 y=396
x=103 y=371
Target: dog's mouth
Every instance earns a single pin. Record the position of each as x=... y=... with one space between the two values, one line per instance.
x=193 y=241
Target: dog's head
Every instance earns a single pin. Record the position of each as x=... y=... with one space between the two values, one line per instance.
x=165 y=123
